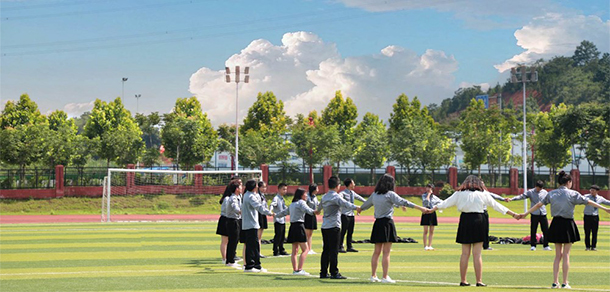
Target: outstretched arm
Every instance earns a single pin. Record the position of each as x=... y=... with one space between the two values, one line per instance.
x=596 y=205
x=532 y=209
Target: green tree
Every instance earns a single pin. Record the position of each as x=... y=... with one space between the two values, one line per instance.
x=585 y=53
x=371 y=146
x=602 y=76
x=586 y=126
x=23 y=112
x=23 y=131
x=266 y=115
x=256 y=149
x=408 y=124
x=552 y=148
x=475 y=137
x=501 y=125
x=341 y=113
x=149 y=125
x=22 y=145
x=313 y=141
x=151 y=157
x=81 y=121
x=188 y=135
x=261 y=141
x=226 y=141
x=597 y=138
x=60 y=136
x=120 y=138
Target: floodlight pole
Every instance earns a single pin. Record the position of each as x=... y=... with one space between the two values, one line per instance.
x=237 y=80
x=523 y=79
x=123 y=87
x=138 y=103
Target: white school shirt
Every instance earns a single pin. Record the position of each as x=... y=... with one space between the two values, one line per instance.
x=472 y=202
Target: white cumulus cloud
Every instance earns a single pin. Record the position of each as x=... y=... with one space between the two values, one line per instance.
x=556 y=35
x=305 y=71
x=76 y=109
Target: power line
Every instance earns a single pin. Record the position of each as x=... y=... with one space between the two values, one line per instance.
x=186 y=38
x=168 y=32
x=48 y=5
x=99 y=11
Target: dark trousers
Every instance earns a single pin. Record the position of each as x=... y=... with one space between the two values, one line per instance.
x=544 y=226
x=233 y=227
x=253 y=251
x=278 y=239
x=591 y=226
x=486 y=241
x=330 y=251
x=347 y=227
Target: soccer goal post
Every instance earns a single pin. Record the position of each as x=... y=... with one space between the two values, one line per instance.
x=147 y=182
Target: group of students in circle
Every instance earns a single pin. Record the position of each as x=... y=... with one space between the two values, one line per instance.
x=244 y=218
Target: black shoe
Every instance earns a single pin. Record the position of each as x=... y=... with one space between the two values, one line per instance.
x=337 y=276
x=481 y=285
x=284 y=253
x=342 y=251
x=324 y=276
x=464 y=284
x=276 y=254
x=351 y=250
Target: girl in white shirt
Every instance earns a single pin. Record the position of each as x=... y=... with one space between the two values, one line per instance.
x=471 y=198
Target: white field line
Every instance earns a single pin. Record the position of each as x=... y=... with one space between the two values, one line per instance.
x=274 y=273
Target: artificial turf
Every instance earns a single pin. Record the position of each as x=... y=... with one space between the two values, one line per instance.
x=184 y=256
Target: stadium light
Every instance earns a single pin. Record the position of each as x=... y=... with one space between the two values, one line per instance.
x=138 y=102
x=520 y=74
x=123 y=87
x=237 y=80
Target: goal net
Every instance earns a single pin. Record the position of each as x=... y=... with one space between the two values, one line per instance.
x=150 y=183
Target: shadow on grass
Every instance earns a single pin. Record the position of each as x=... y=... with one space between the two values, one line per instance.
x=199 y=263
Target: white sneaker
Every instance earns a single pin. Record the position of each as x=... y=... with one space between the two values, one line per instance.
x=566 y=286
x=548 y=248
x=253 y=270
x=233 y=265
x=301 y=273
x=388 y=280
x=430 y=248
x=426 y=248
x=533 y=248
x=311 y=252
x=374 y=279
x=263 y=270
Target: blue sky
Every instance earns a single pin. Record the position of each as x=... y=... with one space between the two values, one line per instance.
x=65 y=54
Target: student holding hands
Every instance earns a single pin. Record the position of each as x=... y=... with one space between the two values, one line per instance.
x=563 y=231
x=296 y=234
x=384 y=232
x=471 y=199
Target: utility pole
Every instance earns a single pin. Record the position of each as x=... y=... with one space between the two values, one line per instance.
x=237 y=80
x=520 y=74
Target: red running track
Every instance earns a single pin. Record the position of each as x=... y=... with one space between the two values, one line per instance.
x=20 y=219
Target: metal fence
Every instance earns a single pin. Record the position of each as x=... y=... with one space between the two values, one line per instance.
x=84 y=176
x=27 y=179
x=492 y=180
x=417 y=178
x=294 y=175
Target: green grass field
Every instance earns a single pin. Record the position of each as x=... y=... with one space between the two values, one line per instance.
x=200 y=204
x=184 y=257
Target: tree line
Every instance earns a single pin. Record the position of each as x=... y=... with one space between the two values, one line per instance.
x=412 y=138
